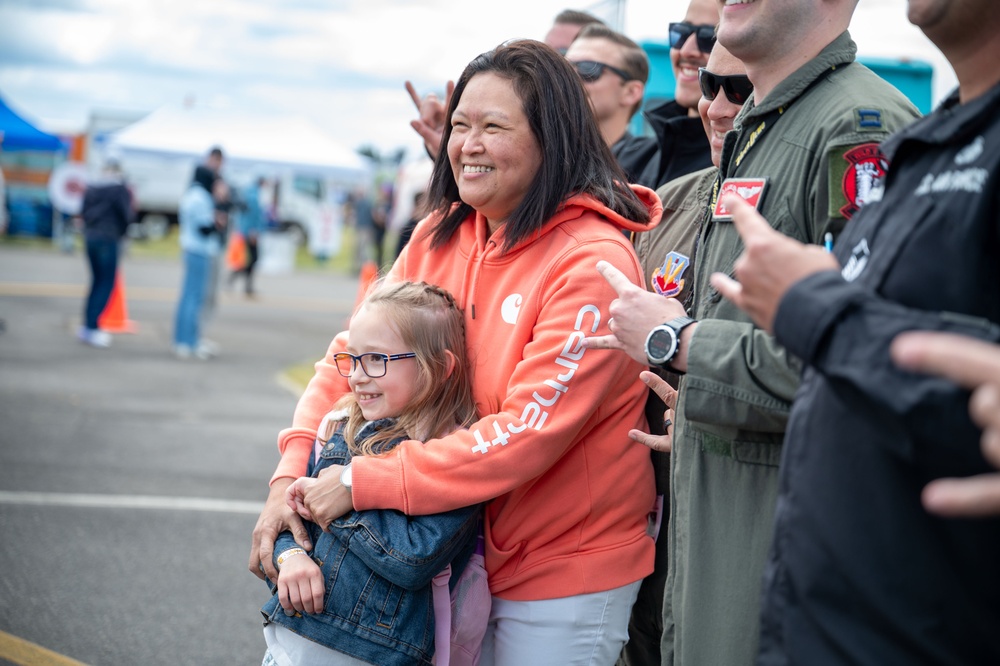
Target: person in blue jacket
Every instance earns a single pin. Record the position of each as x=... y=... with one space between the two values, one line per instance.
x=364 y=594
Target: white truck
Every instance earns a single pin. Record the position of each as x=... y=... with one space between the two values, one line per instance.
x=310 y=174
x=306 y=205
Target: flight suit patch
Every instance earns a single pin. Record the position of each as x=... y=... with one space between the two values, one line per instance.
x=666 y=280
x=750 y=190
x=868 y=119
x=854 y=174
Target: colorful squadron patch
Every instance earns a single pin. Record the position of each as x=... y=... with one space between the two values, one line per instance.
x=666 y=279
x=866 y=167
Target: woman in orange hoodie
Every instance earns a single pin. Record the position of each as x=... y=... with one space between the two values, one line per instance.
x=526 y=199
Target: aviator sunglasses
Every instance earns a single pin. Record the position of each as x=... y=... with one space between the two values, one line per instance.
x=679 y=33
x=590 y=70
x=737 y=86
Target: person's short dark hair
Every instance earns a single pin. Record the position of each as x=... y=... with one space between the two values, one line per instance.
x=216 y=151
x=204 y=177
x=575 y=159
x=635 y=62
x=576 y=17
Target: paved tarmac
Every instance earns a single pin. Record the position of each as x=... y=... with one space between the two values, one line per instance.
x=130 y=481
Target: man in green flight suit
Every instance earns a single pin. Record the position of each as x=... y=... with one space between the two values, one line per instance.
x=804 y=152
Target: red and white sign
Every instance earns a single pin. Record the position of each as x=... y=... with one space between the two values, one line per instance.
x=67 y=184
x=750 y=190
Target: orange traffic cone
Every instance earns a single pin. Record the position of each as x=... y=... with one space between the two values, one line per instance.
x=115 y=319
x=236 y=252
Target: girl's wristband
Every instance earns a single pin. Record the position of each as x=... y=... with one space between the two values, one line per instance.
x=291 y=552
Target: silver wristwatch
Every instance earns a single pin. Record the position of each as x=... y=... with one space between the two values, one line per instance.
x=664 y=341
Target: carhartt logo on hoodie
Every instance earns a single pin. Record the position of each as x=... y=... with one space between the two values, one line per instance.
x=511 y=308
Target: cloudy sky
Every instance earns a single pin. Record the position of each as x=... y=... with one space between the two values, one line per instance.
x=339 y=63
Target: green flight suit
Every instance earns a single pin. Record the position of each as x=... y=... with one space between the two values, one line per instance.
x=813 y=140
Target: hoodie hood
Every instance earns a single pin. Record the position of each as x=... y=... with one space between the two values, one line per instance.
x=579 y=205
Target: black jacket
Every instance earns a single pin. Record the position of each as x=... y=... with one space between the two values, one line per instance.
x=633 y=153
x=859 y=572
x=682 y=145
x=106 y=211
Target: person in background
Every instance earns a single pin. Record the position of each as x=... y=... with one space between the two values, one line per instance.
x=214 y=160
x=404 y=364
x=614 y=70
x=251 y=222
x=525 y=200
x=225 y=204
x=675 y=123
x=666 y=253
x=201 y=242
x=419 y=212
x=567 y=26
x=363 y=208
x=805 y=149
x=106 y=213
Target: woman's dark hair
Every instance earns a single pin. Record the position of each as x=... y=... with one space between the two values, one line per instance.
x=575 y=158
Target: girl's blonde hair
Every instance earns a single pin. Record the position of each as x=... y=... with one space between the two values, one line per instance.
x=429 y=323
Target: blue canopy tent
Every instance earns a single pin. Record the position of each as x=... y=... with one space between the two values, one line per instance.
x=28 y=155
x=19 y=134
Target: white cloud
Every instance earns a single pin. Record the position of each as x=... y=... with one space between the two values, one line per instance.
x=341 y=63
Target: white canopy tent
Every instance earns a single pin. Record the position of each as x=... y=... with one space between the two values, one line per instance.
x=248 y=140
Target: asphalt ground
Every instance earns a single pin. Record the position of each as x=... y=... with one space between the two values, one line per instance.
x=130 y=480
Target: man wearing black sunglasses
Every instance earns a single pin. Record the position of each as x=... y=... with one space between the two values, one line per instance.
x=614 y=70
x=804 y=151
x=676 y=123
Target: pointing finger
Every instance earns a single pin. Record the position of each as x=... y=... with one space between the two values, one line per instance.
x=660 y=387
x=603 y=342
x=615 y=277
x=413 y=94
x=746 y=219
x=726 y=286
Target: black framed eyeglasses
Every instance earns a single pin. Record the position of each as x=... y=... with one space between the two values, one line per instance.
x=705 y=34
x=373 y=363
x=736 y=86
x=590 y=70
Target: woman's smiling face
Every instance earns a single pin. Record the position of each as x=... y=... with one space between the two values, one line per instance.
x=493 y=152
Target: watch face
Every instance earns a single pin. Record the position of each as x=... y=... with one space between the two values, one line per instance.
x=661 y=345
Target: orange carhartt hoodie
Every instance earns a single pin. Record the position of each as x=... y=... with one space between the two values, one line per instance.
x=570 y=492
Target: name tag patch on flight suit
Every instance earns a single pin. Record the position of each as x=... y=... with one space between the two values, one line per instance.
x=750 y=190
x=666 y=279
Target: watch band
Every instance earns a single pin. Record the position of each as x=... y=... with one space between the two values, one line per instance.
x=678 y=324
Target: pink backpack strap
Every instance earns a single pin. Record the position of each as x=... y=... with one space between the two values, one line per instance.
x=442 y=617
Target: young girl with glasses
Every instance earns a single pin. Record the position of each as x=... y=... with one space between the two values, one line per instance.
x=364 y=594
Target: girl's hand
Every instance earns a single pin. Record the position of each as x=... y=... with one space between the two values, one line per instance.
x=295 y=494
x=326 y=499
x=300 y=585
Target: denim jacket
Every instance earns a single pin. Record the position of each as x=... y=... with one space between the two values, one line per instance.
x=377 y=568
